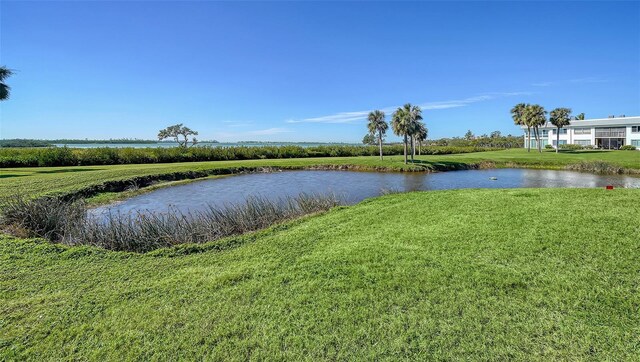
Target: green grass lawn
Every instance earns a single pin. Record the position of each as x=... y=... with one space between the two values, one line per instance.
x=528 y=274
x=43 y=180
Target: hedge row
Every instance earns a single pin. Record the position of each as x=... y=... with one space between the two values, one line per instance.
x=64 y=156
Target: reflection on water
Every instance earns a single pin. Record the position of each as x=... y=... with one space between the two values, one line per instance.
x=351 y=186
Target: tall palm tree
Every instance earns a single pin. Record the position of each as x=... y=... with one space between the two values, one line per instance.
x=518 y=115
x=412 y=139
x=580 y=117
x=421 y=135
x=4 y=88
x=403 y=123
x=400 y=126
x=560 y=117
x=416 y=121
x=377 y=125
x=535 y=116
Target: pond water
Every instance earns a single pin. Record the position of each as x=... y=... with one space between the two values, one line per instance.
x=350 y=186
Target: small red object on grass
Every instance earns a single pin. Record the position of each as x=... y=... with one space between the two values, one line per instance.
x=609 y=187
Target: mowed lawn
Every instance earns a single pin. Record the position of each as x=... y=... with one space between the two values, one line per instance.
x=527 y=274
x=46 y=180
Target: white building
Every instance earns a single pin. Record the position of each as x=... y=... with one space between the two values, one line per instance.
x=606 y=133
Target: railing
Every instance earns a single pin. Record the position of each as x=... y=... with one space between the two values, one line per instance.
x=611 y=132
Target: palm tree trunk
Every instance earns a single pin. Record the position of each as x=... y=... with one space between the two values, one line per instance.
x=539 y=140
x=413 y=149
x=528 y=139
x=405 y=149
x=557 y=139
x=420 y=148
x=380 y=143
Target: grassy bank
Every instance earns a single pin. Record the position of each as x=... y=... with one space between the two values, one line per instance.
x=46 y=180
x=529 y=274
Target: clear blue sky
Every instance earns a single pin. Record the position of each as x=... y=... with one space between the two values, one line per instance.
x=309 y=71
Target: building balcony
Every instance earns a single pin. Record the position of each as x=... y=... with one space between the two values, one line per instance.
x=611 y=134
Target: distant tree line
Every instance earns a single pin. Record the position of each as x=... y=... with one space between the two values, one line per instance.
x=18 y=142
x=493 y=140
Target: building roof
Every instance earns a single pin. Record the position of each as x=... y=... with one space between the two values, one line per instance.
x=599 y=122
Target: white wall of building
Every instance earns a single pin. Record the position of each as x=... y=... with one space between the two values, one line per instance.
x=633 y=136
x=576 y=133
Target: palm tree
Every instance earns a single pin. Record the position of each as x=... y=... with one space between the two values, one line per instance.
x=517 y=113
x=580 y=117
x=412 y=139
x=400 y=126
x=560 y=117
x=535 y=116
x=403 y=123
x=4 y=88
x=378 y=125
x=421 y=135
x=416 y=121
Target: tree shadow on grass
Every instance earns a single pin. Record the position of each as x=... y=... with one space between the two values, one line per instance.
x=585 y=151
x=70 y=170
x=7 y=175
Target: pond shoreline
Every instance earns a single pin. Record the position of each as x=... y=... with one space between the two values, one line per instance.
x=118 y=191
x=142 y=184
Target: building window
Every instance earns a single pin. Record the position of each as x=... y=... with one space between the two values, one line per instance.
x=582 y=131
x=635 y=143
x=543 y=133
x=534 y=144
x=583 y=142
x=635 y=129
x=562 y=142
x=563 y=131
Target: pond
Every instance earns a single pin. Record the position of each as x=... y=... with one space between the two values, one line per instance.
x=350 y=186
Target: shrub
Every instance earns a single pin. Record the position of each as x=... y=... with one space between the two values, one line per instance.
x=571 y=147
x=56 y=156
x=628 y=148
x=63 y=156
x=98 y=156
x=549 y=147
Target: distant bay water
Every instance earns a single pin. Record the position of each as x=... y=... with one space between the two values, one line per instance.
x=203 y=144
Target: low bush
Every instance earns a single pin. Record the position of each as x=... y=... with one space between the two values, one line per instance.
x=628 y=148
x=549 y=147
x=571 y=147
x=60 y=156
x=63 y=156
x=66 y=221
